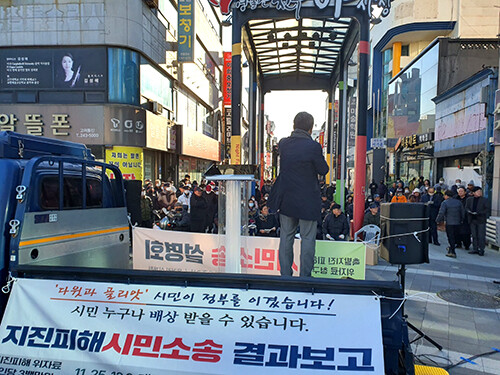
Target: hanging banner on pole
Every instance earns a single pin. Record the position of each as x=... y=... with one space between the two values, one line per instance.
x=61 y=327
x=227 y=79
x=185 y=27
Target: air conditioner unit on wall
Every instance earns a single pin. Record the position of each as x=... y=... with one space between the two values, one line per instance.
x=157 y=108
x=153 y=4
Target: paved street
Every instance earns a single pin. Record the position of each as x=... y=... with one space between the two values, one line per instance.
x=462 y=331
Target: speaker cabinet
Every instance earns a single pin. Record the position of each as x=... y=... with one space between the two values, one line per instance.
x=398 y=222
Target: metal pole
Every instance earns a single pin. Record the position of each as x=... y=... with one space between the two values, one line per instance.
x=329 y=148
x=233 y=226
x=360 y=152
x=344 y=138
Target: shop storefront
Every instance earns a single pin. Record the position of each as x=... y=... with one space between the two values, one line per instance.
x=414 y=156
x=197 y=153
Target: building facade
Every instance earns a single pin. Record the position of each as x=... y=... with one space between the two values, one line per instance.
x=107 y=74
x=421 y=53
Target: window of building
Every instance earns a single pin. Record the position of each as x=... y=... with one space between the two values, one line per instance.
x=405 y=50
x=155 y=86
x=123 y=81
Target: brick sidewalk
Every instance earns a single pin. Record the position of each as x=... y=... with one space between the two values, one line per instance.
x=462 y=331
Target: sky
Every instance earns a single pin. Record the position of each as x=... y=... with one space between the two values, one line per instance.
x=282 y=106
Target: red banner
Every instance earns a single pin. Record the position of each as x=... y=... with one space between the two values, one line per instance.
x=227 y=79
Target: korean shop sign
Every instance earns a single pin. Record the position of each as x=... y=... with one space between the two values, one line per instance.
x=81 y=124
x=185 y=28
x=113 y=328
x=296 y=5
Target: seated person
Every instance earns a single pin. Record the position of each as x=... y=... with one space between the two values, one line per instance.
x=267 y=225
x=181 y=220
x=335 y=225
x=372 y=216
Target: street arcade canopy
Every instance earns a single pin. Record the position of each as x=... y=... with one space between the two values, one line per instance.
x=301 y=45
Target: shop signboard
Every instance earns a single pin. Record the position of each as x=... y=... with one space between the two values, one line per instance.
x=185 y=27
x=227 y=131
x=75 y=123
x=199 y=145
x=351 y=130
x=124 y=125
x=295 y=6
x=53 y=68
x=497 y=118
x=128 y=159
x=83 y=327
x=197 y=252
x=156 y=131
x=227 y=79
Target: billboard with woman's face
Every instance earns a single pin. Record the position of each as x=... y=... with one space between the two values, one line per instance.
x=53 y=68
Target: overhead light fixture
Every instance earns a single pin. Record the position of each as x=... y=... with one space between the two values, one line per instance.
x=315 y=36
x=245 y=64
x=285 y=45
x=351 y=63
x=312 y=44
x=333 y=36
x=288 y=36
x=375 y=21
x=271 y=37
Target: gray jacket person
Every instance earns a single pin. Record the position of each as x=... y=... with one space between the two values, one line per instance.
x=451 y=211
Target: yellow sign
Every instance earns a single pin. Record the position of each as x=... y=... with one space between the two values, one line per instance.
x=235 y=149
x=339 y=260
x=128 y=159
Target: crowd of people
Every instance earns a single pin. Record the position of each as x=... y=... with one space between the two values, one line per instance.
x=462 y=208
x=194 y=207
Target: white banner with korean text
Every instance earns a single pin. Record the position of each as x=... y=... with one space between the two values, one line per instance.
x=162 y=250
x=89 y=328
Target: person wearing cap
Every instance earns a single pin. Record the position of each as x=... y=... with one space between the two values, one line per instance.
x=452 y=212
x=464 y=231
x=454 y=188
x=296 y=194
x=416 y=195
x=470 y=188
x=433 y=200
x=199 y=211
x=399 y=197
x=335 y=225
x=185 y=197
x=373 y=216
x=478 y=210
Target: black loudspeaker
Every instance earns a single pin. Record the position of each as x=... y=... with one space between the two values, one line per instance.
x=133 y=197
x=398 y=223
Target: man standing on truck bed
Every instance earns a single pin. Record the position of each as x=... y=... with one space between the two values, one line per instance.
x=296 y=194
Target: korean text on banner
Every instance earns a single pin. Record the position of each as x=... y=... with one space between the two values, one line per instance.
x=128 y=159
x=196 y=252
x=81 y=327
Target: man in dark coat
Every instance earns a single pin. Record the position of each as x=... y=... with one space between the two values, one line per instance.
x=199 y=210
x=464 y=231
x=382 y=190
x=478 y=210
x=296 y=193
x=452 y=212
x=434 y=201
x=335 y=226
x=372 y=217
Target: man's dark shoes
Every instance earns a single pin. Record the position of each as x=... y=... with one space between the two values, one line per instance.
x=474 y=252
x=481 y=253
x=451 y=255
x=437 y=244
